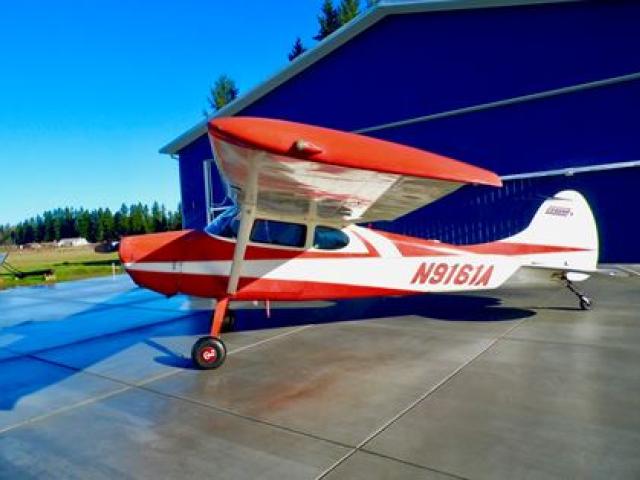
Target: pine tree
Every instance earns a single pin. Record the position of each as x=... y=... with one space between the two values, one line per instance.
x=40 y=230
x=107 y=222
x=83 y=223
x=297 y=50
x=157 y=220
x=138 y=220
x=68 y=224
x=224 y=91
x=164 y=223
x=27 y=233
x=328 y=19
x=57 y=224
x=175 y=219
x=49 y=231
x=121 y=221
x=348 y=10
x=95 y=229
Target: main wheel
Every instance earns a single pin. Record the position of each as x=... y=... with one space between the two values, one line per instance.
x=585 y=303
x=208 y=353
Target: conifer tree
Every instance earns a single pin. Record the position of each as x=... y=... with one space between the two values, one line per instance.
x=348 y=10
x=83 y=223
x=328 y=19
x=95 y=225
x=297 y=50
x=224 y=91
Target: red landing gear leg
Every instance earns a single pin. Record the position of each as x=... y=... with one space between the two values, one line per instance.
x=210 y=352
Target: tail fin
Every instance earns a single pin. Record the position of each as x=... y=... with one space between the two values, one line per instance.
x=565 y=233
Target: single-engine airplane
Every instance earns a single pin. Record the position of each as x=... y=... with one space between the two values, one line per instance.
x=300 y=193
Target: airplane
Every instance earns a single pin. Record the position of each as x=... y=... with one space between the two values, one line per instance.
x=301 y=194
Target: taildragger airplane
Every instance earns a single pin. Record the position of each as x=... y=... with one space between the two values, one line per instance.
x=300 y=193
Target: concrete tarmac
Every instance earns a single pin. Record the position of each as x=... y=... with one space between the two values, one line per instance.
x=96 y=382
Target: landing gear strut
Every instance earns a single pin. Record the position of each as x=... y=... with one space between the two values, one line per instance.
x=210 y=352
x=585 y=302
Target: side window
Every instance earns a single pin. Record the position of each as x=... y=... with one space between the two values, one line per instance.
x=278 y=233
x=327 y=238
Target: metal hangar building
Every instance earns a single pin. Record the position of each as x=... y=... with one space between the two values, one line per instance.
x=545 y=93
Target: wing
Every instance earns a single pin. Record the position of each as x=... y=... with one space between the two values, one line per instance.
x=294 y=170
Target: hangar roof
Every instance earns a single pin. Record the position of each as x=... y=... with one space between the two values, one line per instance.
x=332 y=42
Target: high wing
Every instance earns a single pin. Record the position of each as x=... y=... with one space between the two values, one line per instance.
x=292 y=170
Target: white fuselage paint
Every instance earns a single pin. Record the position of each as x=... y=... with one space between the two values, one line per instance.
x=417 y=274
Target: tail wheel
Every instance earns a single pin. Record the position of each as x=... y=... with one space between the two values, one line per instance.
x=585 y=303
x=208 y=353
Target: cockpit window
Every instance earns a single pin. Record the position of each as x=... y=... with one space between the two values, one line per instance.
x=275 y=232
x=279 y=233
x=226 y=224
x=327 y=238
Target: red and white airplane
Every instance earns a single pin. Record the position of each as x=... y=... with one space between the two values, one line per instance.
x=300 y=192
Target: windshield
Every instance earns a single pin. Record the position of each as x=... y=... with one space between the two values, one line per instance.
x=226 y=224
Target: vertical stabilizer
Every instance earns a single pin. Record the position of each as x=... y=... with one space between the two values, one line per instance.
x=565 y=225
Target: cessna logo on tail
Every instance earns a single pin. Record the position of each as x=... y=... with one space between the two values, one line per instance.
x=457 y=274
x=558 y=211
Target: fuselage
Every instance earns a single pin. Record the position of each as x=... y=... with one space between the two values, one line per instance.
x=373 y=263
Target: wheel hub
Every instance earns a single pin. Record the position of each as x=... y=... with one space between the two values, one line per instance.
x=209 y=354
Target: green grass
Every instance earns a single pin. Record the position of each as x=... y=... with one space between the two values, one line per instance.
x=67 y=264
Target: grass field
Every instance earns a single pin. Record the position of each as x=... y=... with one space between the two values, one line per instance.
x=70 y=263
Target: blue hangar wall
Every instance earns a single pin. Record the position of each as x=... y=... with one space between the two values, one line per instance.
x=523 y=90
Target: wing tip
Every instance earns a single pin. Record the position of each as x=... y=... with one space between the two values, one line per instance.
x=493 y=180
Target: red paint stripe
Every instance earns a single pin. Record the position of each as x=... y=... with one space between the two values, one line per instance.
x=268 y=289
x=371 y=250
x=417 y=250
x=415 y=247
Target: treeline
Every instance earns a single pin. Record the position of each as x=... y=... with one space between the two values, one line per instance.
x=96 y=225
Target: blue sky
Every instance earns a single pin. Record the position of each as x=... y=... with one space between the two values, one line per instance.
x=89 y=91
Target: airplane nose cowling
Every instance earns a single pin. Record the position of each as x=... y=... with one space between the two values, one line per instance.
x=153 y=261
x=124 y=250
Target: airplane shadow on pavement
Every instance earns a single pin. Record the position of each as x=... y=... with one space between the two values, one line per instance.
x=47 y=352
x=433 y=306
x=441 y=307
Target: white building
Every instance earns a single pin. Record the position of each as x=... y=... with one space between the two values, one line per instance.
x=72 y=242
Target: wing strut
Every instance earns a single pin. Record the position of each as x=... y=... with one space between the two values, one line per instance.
x=247 y=215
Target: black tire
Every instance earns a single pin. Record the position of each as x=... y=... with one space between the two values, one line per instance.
x=228 y=323
x=208 y=353
x=585 y=303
